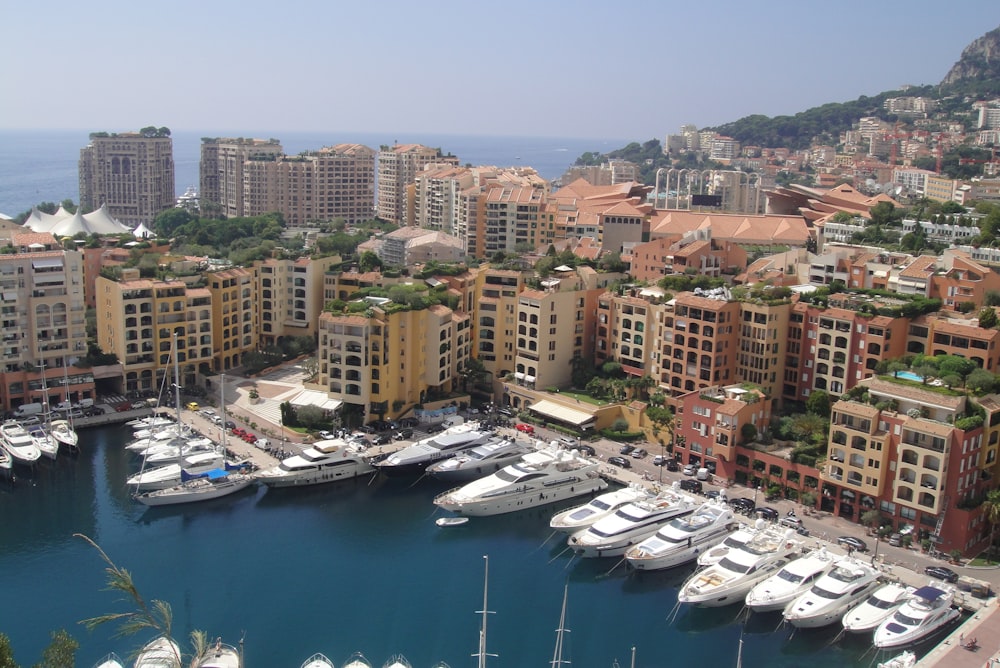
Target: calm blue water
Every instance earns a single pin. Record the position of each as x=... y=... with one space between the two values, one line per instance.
x=336 y=569
x=41 y=166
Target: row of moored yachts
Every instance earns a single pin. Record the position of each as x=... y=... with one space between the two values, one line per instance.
x=26 y=443
x=765 y=566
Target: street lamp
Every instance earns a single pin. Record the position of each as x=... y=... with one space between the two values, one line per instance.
x=755 y=490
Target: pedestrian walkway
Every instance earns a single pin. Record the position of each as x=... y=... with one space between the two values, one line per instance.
x=984 y=626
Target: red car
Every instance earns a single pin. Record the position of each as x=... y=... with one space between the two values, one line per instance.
x=239 y=431
x=250 y=438
x=526 y=428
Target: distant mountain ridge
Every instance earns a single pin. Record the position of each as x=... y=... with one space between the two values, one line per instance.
x=980 y=61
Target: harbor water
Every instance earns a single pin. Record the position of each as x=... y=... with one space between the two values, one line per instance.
x=354 y=566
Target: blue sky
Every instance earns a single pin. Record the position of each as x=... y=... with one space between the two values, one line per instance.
x=631 y=68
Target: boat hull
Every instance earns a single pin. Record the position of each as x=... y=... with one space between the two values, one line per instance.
x=196 y=490
x=884 y=640
x=315 y=477
x=532 y=498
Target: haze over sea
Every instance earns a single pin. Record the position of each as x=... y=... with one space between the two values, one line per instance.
x=357 y=565
x=41 y=165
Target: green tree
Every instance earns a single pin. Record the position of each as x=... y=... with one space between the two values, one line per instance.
x=369 y=262
x=871 y=518
x=61 y=652
x=980 y=381
x=991 y=513
x=6 y=653
x=987 y=318
x=749 y=432
x=818 y=403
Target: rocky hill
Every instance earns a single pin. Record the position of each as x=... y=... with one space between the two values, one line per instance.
x=980 y=62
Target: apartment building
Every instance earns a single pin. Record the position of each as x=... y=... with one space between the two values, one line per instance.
x=234 y=329
x=141 y=320
x=42 y=322
x=512 y=218
x=906 y=453
x=398 y=167
x=709 y=429
x=615 y=216
x=961 y=280
x=132 y=174
x=695 y=252
x=291 y=296
x=222 y=182
x=626 y=333
x=409 y=246
x=390 y=359
x=763 y=343
x=494 y=323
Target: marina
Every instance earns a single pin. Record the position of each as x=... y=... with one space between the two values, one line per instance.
x=252 y=538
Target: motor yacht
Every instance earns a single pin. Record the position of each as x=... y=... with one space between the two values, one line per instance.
x=63 y=432
x=682 y=539
x=48 y=446
x=318 y=661
x=797 y=576
x=169 y=475
x=875 y=609
x=413 y=459
x=219 y=655
x=849 y=581
x=905 y=660
x=170 y=455
x=324 y=461
x=734 y=541
x=200 y=487
x=539 y=478
x=357 y=660
x=479 y=461
x=6 y=464
x=397 y=661
x=576 y=518
x=735 y=574
x=161 y=652
x=18 y=443
x=144 y=436
x=112 y=660
x=927 y=610
x=611 y=536
x=151 y=422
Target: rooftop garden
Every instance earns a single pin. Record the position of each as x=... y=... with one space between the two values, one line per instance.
x=404 y=297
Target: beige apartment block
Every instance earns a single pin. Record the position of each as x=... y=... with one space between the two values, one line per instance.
x=42 y=325
x=222 y=181
x=291 y=296
x=233 y=330
x=129 y=173
x=138 y=320
x=398 y=167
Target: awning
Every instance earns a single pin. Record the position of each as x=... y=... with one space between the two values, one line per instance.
x=561 y=413
x=10 y=296
x=316 y=398
x=529 y=379
x=50 y=263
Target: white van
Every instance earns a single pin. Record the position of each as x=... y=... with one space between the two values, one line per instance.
x=703 y=474
x=24 y=410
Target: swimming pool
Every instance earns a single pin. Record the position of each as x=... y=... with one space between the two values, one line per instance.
x=909 y=375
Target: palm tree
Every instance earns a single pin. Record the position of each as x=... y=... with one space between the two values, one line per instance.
x=991 y=511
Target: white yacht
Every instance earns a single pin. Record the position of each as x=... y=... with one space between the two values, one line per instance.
x=174 y=453
x=790 y=582
x=576 y=518
x=219 y=655
x=18 y=443
x=905 y=660
x=151 y=422
x=209 y=485
x=611 y=536
x=927 y=610
x=318 y=661
x=397 y=661
x=875 y=609
x=169 y=475
x=850 y=581
x=413 y=459
x=682 y=539
x=479 y=461
x=112 y=660
x=140 y=444
x=729 y=580
x=161 y=652
x=357 y=660
x=734 y=541
x=64 y=433
x=48 y=446
x=323 y=461
x=540 y=478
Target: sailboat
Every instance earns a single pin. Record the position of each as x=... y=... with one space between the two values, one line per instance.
x=219 y=655
x=482 y=653
x=62 y=430
x=48 y=445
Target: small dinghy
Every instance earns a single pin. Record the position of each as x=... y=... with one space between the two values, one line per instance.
x=450 y=521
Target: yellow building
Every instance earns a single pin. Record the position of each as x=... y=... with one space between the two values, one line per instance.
x=233 y=330
x=291 y=296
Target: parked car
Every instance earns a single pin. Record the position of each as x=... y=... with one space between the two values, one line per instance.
x=673 y=466
x=791 y=522
x=626 y=449
x=238 y=431
x=743 y=505
x=693 y=486
x=506 y=411
x=896 y=539
x=713 y=494
x=409 y=422
x=767 y=513
x=942 y=573
x=659 y=460
x=620 y=462
x=639 y=453
x=404 y=434
x=525 y=428
x=434 y=428
x=325 y=435
x=690 y=469
x=230 y=424
x=586 y=450
x=192 y=405
x=383 y=439
x=853 y=543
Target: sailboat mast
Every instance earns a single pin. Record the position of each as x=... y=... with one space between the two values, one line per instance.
x=222 y=405
x=482 y=653
x=557 y=654
x=177 y=379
